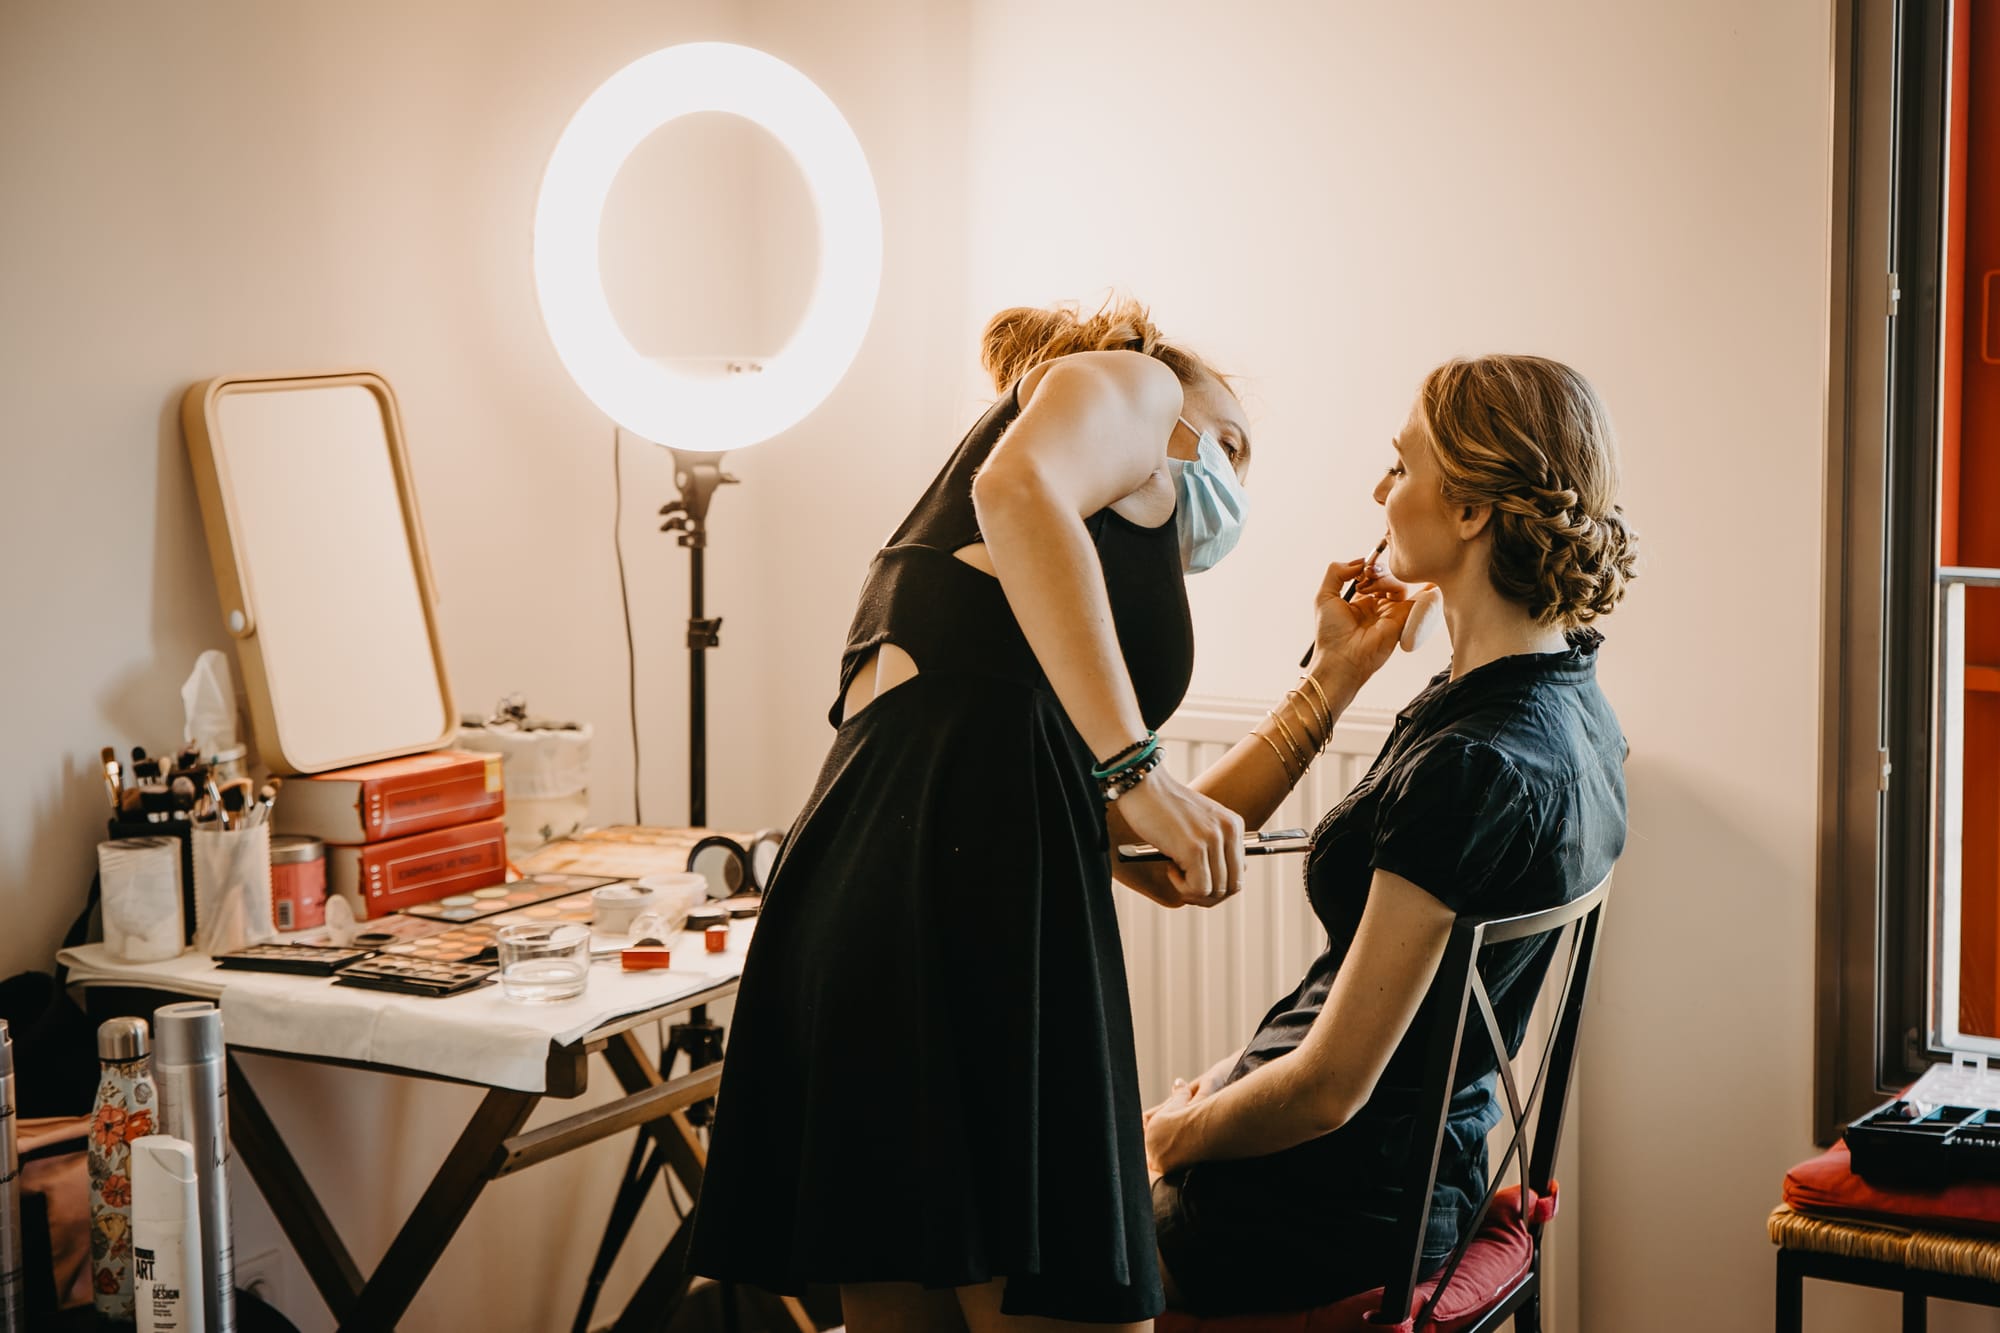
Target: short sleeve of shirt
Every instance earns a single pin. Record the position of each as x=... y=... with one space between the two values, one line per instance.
x=1454 y=821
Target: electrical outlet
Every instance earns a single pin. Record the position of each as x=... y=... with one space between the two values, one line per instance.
x=263 y=1276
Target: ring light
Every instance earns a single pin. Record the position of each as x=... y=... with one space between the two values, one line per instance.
x=639 y=393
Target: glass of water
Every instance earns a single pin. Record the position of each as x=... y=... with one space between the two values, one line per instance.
x=540 y=963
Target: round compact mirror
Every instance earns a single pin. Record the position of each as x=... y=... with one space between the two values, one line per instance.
x=723 y=863
x=764 y=849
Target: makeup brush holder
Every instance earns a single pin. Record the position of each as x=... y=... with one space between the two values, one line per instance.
x=232 y=888
x=141 y=887
x=121 y=826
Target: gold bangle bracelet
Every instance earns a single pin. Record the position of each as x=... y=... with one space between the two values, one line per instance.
x=1305 y=759
x=1325 y=708
x=1277 y=754
x=1309 y=722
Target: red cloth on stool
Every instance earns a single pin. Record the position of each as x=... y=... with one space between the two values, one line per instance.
x=1494 y=1263
x=1827 y=1184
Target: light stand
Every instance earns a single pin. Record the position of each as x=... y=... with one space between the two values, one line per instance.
x=698 y=476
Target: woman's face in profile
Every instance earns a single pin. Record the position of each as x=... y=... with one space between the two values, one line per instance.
x=1210 y=406
x=1422 y=541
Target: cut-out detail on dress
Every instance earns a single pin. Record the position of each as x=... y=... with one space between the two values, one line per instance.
x=887 y=662
x=976 y=555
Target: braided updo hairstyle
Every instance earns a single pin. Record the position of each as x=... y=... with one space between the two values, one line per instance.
x=1531 y=438
x=1020 y=338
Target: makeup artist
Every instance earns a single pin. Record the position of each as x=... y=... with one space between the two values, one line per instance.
x=1501 y=790
x=930 y=1095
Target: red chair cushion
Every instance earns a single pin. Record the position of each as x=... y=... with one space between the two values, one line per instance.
x=1496 y=1261
x=1826 y=1184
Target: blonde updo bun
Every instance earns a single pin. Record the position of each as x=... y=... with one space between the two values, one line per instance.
x=1531 y=438
x=1022 y=337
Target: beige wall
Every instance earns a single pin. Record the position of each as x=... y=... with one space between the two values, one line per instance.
x=1334 y=198
x=224 y=187
x=1329 y=199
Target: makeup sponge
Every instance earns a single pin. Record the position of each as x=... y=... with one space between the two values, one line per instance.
x=1423 y=620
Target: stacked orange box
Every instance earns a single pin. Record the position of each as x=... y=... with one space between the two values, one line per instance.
x=402 y=831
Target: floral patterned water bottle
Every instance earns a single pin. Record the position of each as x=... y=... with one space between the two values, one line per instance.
x=125 y=1110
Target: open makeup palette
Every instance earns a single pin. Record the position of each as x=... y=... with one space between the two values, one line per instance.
x=474 y=940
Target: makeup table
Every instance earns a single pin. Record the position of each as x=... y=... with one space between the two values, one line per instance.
x=518 y=1053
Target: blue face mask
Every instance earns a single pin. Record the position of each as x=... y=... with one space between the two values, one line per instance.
x=1209 y=503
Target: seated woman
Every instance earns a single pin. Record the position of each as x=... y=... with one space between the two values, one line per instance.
x=1500 y=790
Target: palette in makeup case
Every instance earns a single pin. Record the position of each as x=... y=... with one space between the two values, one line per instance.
x=455 y=944
x=478 y=904
x=311 y=960
x=411 y=976
x=472 y=941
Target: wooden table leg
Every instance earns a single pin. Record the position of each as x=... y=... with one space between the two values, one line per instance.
x=270 y=1163
x=438 y=1215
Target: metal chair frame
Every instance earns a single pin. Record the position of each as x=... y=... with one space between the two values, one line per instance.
x=1458 y=974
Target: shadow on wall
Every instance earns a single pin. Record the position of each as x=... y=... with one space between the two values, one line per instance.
x=1703 y=1004
x=140 y=706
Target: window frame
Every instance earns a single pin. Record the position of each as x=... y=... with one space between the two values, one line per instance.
x=1877 y=930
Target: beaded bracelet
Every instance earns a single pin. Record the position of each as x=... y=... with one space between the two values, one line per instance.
x=1135 y=753
x=1114 y=785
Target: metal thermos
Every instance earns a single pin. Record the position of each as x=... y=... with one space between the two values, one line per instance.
x=13 y=1272
x=125 y=1109
x=188 y=1067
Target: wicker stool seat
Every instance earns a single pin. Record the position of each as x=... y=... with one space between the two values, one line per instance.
x=1919 y=1262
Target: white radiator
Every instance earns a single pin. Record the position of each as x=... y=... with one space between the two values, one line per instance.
x=1201 y=979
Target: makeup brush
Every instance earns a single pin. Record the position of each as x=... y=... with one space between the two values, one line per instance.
x=184 y=796
x=267 y=797
x=235 y=801
x=1366 y=565
x=1352 y=588
x=113 y=777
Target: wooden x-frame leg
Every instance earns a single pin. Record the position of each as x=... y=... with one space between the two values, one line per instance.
x=492 y=1145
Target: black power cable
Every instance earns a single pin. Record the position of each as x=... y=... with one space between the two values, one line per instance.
x=625 y=605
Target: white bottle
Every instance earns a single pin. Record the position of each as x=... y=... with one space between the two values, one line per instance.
x=166 y=1236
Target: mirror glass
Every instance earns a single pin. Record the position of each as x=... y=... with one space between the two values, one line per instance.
x=764 y=849
x=709 y=243
x=724 y=866
x=310 y=471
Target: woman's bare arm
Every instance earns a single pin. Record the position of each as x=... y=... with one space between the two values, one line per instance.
x=1094 y=430
x=1320 y=1085
x=1259 y=772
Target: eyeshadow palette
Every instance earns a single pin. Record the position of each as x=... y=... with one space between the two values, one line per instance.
x=454 y=944
x=312 y=960
x=478 y=904
x=414 y=976
x=374 y=933
x=578 y=909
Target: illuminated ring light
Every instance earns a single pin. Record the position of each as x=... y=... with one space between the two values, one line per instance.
x=639 y=393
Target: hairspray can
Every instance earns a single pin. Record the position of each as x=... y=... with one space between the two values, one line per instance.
x=188 y=1066
x=126 y=1109
x=166 y=1236
x=13 y=1278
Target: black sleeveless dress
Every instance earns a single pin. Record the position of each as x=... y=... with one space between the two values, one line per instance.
x=930 y=1073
